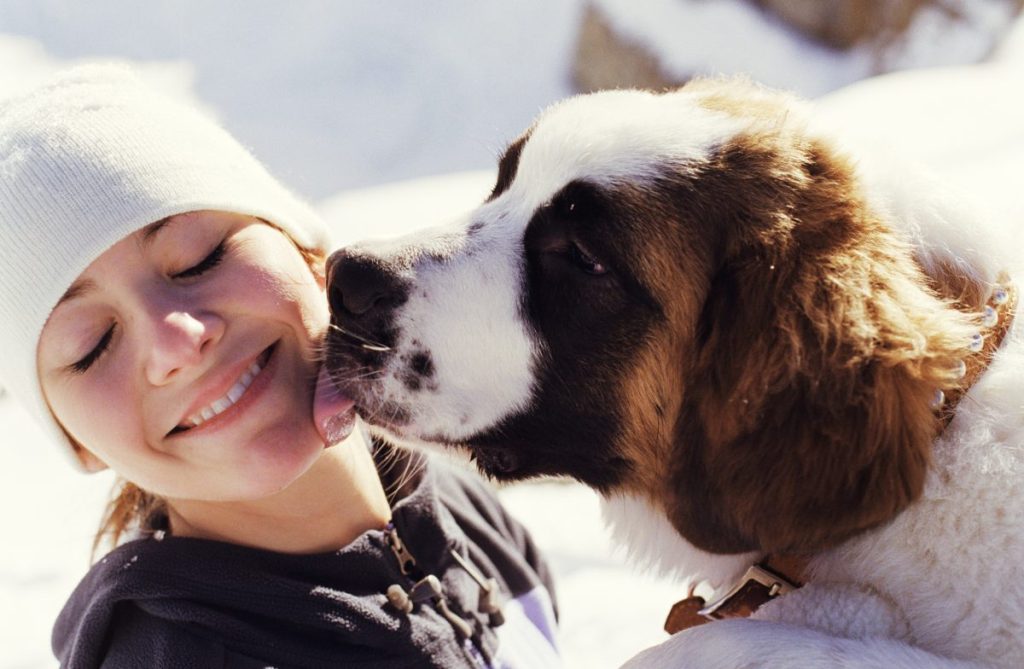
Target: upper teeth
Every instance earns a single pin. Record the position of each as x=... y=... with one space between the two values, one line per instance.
x=232 y=396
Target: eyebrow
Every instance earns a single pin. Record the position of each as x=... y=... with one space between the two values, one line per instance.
x=149 y=232
x=84 y=286
x=77 y=289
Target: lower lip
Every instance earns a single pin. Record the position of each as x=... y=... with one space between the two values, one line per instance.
x=252 y=395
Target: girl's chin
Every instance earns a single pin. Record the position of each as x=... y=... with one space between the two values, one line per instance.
x=266 y=469
x=278 y=471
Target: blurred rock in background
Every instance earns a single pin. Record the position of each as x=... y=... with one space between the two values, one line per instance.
x=843 y=24
x=662 y=43
x=605 y=58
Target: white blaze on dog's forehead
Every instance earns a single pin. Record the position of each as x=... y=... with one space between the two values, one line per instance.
x=612 y=136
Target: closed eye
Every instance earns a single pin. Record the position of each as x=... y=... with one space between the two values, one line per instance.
x=584 y=261
x=92 y=356
x=204 y=265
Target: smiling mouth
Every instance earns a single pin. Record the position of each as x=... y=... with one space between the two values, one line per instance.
x=234 y=394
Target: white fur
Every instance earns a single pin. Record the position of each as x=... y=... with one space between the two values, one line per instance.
x=614 y=136
x=940 y=222
x=751 y=644
x=652 y=541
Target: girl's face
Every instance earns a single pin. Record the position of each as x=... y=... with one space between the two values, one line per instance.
x=184 y=358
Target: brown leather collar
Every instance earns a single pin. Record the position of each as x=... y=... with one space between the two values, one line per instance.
x=776 y=575
x=770 y=578
x=996 y=318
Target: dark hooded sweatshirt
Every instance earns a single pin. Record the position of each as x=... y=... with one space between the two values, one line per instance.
x=181 y=602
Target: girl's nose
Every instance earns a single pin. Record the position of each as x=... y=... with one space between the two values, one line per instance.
x=180 y=340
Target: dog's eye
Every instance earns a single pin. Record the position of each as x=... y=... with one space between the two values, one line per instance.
x=585 y=261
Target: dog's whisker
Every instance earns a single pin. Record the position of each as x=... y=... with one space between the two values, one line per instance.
x=413 y=469
x=346 y=342
x=366 y=342
x=329 y=381
x=400 y=480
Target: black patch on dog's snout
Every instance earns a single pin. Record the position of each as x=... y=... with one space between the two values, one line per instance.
x=422 y=364
x=412 y=382
x=419 y=370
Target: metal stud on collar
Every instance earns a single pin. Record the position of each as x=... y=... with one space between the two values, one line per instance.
x=990 y=316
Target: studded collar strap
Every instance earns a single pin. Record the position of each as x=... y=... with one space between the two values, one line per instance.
x=996 y=319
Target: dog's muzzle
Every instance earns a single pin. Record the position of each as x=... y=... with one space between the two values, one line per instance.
x=364 y=294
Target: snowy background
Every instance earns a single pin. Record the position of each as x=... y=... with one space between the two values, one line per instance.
x=348 y=101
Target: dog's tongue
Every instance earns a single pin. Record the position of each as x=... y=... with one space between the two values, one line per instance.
x=332 y=410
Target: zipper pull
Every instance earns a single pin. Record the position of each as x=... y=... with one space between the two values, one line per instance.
x=491 y=600
x=459 y=624
x=428 y=589
x=425 y=590
x=406 y=562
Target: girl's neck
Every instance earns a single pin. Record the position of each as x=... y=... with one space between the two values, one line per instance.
x=325 y=509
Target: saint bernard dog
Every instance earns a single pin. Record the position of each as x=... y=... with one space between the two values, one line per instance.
x=750 y=344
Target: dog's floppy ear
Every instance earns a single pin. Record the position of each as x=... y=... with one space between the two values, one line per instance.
x=808 y=411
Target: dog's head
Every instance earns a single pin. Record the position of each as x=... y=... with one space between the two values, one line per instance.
x=683 y=297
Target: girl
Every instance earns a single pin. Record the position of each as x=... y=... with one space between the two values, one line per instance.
x=161 y=304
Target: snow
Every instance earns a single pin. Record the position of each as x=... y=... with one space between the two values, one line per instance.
x=334 y=97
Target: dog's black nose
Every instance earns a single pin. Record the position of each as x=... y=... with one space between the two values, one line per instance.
x=360 y=285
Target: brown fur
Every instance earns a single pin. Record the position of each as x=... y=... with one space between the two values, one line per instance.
x=955 y=283
x=793 y=408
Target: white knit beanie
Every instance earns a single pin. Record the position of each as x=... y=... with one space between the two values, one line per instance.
x=88 y=158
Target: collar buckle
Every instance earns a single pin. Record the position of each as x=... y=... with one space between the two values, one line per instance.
x=758 y=585
x=761 y=583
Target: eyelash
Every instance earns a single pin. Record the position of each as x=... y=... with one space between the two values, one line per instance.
x=83 y=365
x=203 y=266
